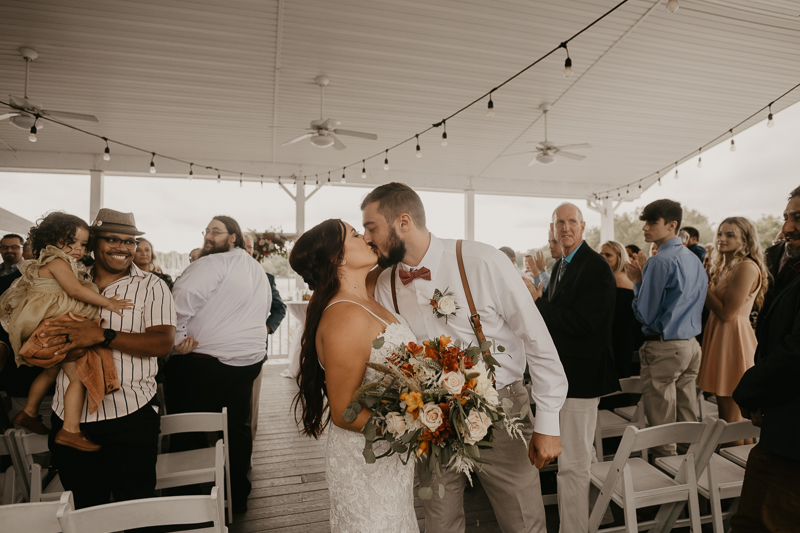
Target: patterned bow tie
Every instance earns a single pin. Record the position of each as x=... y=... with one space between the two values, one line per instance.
x=407 y=277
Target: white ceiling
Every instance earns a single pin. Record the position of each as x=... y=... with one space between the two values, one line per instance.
x=224 y=83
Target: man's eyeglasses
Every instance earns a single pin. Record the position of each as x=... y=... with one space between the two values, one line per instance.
x=114 y=242
x=213 y=232
x=12 y=247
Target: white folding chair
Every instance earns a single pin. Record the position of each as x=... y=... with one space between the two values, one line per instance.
x=707 y=407
x=717 y=478
x=611 y=424
x=38 y=517
x=8 y=479
x=31 y=473
x=633 y=483
x=148 y=512
x=204 y=465
x=737 y=454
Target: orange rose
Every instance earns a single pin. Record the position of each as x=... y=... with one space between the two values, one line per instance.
x=413 y=402
x=415 y=349
x=443 y=342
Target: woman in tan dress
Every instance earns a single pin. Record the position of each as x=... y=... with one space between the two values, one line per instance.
x=737 y=283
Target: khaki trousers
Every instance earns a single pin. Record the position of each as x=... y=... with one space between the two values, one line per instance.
x=511 y=483
x=578 y=419
x=669 y=371
x=254 y=403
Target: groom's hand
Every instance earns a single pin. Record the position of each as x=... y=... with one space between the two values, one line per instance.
x=543 y=449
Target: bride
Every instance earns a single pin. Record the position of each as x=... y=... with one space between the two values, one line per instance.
x=342 y=320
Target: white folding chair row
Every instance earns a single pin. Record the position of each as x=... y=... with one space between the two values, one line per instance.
x=737 y=454
x=717 y=478
x=610 y=424
x=707 y=407
x=29 y=471
x=60 y=515
x=632 y=483
x=190 y=467
x=10 y=485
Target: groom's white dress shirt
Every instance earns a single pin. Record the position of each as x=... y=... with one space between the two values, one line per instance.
x=508 y=315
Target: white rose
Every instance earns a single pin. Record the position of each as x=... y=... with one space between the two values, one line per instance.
x=446 y=305
x=395 y=424
x=477 y=425
x=491 y=396
x=431 y=416
x=452 y=381
x=412 y=424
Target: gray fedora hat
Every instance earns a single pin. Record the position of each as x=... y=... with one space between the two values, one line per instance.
x=115 y=222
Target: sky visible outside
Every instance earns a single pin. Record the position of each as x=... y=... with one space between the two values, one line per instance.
x=752 y=181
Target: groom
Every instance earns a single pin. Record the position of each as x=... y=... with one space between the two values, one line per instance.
x=394 y=225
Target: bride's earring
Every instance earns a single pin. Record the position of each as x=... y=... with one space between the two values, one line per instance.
x=344 y=262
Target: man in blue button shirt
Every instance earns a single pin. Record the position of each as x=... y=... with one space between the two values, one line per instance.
x=669 y=293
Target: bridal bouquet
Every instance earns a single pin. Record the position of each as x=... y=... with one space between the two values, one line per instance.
x=436 y=402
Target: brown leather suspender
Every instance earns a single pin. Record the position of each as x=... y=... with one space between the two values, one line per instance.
x=474 y=317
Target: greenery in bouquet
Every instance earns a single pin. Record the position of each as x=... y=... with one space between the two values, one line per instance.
x=269 y=243
x=437 y=403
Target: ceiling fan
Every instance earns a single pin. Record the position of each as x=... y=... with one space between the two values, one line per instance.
x=547 y=151
x=323 y=131
x=24 y=116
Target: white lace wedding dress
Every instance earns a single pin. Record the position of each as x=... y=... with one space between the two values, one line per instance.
x=370 y=498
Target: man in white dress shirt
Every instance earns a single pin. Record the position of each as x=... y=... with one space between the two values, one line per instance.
x=394 y=224
x=222 y=302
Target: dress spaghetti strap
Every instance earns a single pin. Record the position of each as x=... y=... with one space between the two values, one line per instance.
x=362 y=306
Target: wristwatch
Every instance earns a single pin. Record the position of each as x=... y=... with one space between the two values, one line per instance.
x=109 y=335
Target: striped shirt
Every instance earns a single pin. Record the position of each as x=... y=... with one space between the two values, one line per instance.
x=153 y=306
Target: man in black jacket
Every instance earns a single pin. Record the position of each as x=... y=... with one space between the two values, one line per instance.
x=769 y=395
x=579 y=312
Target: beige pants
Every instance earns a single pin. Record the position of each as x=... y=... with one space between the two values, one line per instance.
x=511 y=483
x=669 y=371
x=578 y=419
x=254 y=403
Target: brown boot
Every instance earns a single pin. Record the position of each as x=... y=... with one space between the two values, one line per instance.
x=31 y=423
x=75 y=440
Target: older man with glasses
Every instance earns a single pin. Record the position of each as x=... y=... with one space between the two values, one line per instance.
x=11 y=250
x=222 y=304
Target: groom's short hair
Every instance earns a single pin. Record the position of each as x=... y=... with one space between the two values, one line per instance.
x=394 y=199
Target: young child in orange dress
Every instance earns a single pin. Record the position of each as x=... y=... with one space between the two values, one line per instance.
x=52 y=286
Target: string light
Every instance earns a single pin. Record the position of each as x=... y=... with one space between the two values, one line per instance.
x=363 y=169
x=219 y=177
x=107 y=152
x=489 y=110
x=344 y=178
x=262 y=181
x=153 y=163
x=386 y=161
x=640 y=185
x=733 y=144
x=32 y=136
x=659 y=178
x=329 y=176
x=676 y=170
x=567 y=62
x=770 y=122
x=699 y=158
x=419 y=152
x=240 y=180
x=673 y=5
x=191 y=172
x=444 y=133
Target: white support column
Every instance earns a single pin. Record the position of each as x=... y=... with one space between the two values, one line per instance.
x=469 y=215
x=96 y=193
x=300 y=207
x=606 y=208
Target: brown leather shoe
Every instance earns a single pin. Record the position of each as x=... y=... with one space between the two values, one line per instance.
x=75 y=440
x=31 y=423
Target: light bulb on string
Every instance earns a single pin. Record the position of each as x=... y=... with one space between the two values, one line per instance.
x=329 y=176
x=676 y=170
x=640 y=185
x=386 y=161
x=419 y=151
x=733 y=144
x=219 y=177
x=240 y=180
x=673 y=5
x=699 y=162
x=107 y=152
x=567 y=62
x=344 y=178
x=153 y=163
x=770 y=122
x=32 y=136
x=363 y=169
x=191 y=171
x=262 y=181
x=444 y=133
x=659 y=178
x=489 y=107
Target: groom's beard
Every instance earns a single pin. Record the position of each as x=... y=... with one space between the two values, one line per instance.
x=396 y=253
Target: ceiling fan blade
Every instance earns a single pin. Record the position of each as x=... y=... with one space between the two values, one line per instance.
x=69 y=116
x=370 y=136
x=8 y=115
x=575 y=146
x=329 y=124
x=337 y=144
x=532 y=162
x=298 y=139
x=20 y=102
x=570 y=155
x=519 y=153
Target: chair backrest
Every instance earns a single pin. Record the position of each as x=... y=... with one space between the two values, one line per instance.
x=7 y=442
x=190 y=422
x=737 y=431
x=27 y=444
x=635 y=439
x=41 y=517
x=149 y=512
x=632 y=385
x=7 y=448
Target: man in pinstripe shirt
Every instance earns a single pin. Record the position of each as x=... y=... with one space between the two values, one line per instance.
x=125 y=425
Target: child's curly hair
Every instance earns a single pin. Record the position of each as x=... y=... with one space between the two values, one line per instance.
x=54 y=229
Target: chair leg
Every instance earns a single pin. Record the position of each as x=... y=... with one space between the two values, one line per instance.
x=694 y=503
x=629 y=501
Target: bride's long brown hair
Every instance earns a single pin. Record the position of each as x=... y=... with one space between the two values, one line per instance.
x=316 y=256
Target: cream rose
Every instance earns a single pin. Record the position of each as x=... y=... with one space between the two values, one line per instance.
x=431 y=416
x=490 y=395
x=477 y=425
x=412 y=424
x=395 y=424
x=446 y=305
x=452 y=381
